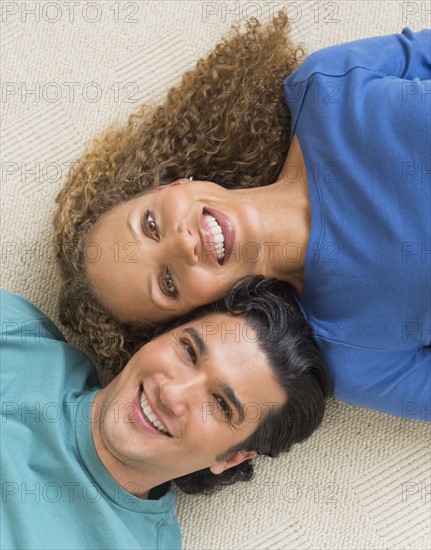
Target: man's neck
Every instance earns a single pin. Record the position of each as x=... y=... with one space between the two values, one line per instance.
x=137 y=483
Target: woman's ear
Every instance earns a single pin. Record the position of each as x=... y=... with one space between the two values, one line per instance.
x=232 y=460
x=161 y=187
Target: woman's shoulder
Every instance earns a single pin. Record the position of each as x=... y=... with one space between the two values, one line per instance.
x=385 y=55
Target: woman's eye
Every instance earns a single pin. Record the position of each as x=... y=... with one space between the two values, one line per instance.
x=169 y=285
x=223 y=405
x=150 y=225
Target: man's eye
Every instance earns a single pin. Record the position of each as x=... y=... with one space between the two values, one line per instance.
x=168 y=285
x=223 y=406
x=149 y=225
x=189 y=350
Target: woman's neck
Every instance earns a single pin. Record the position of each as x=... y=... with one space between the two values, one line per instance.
x=286 y=216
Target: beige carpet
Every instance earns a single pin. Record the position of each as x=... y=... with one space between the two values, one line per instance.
x=363 y=481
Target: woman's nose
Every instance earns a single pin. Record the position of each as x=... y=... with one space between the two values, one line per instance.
x=186 y=244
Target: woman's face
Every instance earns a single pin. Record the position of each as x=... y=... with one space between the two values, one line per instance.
x=166 y=252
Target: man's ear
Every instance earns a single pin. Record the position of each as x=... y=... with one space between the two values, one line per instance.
x=232 y=460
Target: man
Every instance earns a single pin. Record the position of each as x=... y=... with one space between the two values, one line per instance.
x=84 y=467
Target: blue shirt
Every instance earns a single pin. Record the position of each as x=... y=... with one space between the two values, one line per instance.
x=55 y=491
x=362 y=114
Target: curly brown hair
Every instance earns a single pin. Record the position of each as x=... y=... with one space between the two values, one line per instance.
x=226 y=122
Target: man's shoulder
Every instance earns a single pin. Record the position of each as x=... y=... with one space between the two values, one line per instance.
x=34 y=350
x=20 y=318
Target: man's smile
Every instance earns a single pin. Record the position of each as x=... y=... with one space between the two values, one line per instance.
x=147 y=417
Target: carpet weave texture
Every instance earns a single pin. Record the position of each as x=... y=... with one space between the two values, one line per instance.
x=68 y=69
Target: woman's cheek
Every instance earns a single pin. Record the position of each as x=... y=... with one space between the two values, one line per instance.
x=203 y=290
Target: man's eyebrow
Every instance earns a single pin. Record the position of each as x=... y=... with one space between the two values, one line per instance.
x=231 y=395
x=227 y=390
x=198 y=340
x=150 y=287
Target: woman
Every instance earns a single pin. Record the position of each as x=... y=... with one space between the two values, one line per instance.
x=202 y=129
x=344 y=218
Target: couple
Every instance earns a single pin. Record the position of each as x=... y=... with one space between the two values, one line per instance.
x=346 y=192
x=317 y=175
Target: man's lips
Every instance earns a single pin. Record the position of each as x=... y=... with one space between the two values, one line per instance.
x=228 y=229
x=142 y=419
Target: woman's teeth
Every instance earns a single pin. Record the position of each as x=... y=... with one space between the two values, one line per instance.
x=217 y=234
x=148 y=411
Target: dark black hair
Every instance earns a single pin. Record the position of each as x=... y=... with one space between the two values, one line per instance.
x=285 y=337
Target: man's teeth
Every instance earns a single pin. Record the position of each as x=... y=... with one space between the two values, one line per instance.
x=148 y=411
x=217 y=234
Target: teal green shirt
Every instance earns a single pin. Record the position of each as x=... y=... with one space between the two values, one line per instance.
x=55 y=491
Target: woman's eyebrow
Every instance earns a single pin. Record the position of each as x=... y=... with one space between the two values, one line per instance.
x=132 y=230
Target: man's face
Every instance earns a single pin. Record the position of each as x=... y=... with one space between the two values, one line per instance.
x=187 y=397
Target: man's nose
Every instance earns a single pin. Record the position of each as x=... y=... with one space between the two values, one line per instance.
x=186 y=244
x=178 y=394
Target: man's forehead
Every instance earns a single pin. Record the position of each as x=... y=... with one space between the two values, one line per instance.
x=223 y=328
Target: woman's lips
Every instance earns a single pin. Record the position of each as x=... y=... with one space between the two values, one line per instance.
x=228 y=229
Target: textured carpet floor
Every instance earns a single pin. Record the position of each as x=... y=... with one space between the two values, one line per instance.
x=363 y=480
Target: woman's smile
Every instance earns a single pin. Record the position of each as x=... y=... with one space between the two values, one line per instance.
x=219 y=234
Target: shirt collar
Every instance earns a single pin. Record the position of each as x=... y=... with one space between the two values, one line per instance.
x=103 y=480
